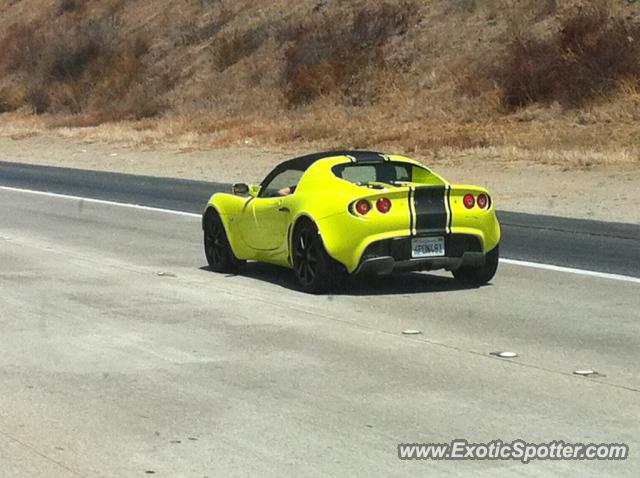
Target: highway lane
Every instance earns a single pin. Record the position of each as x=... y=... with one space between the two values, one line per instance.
x=122 y=355
x=593 y=245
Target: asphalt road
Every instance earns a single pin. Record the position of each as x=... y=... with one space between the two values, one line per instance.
x=594 y=245
x=123 y=355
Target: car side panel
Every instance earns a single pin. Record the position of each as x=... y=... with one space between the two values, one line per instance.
x=279 y=223
x=346 y=235
x=325 y=199
x=230 y=207
x=481 y=223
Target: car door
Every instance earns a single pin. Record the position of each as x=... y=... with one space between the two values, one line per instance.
x=266 y=218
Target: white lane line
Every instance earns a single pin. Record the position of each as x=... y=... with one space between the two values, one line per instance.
x=534 y=265
x=571 y=270
x=101 y=201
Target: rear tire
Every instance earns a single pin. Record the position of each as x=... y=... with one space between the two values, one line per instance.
x=317 y=272
x=217 y=249
x=477 y=276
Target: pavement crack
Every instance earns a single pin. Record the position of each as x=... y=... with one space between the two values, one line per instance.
x=42 y=455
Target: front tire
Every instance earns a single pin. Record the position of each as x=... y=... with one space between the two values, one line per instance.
x=316 y=271
x=477 y=276
x=217 y=249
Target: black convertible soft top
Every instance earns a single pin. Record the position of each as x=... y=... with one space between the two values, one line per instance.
x=303 y=163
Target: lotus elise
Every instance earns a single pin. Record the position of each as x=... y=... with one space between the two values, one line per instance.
x=333 y=214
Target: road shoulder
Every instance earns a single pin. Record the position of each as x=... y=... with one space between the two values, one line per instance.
x=598 y=192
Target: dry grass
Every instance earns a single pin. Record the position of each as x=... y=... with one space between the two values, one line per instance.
x=546 y=142
x=235 y=45
x=84 y=67
x=587 y=58
x=338 y=56
x=428 y=78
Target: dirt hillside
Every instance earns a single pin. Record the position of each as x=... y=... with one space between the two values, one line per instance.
x=550 y=81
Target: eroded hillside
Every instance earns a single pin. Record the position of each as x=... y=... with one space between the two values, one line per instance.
x=548 y=80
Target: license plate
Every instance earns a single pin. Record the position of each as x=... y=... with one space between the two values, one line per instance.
x=427 y=247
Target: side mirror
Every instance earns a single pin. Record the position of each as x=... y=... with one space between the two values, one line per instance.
x=240 y=189
x=254 y=190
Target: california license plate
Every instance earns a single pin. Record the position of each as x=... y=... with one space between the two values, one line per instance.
x=427 y=247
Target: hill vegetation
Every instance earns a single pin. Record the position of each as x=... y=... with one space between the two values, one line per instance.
x=547 y=79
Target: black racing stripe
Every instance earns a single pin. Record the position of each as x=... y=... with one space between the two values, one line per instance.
x=448 y=199
x=411 y=211
x=431 y=213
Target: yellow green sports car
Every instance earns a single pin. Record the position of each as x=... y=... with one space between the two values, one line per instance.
x=327 y=215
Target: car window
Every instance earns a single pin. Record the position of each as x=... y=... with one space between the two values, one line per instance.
x=286 y=179
x=379 y=172
x=361 y=174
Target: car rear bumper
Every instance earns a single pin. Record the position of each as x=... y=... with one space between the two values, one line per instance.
x=394 y=255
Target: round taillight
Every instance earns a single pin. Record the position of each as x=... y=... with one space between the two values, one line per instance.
x=363 y=206
x=469 y=201
x=482 y=201
x=383 y=205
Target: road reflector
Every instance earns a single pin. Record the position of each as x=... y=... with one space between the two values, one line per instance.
x=585 y=372
x=411 y=332
x=504 y=354
x=165 y=274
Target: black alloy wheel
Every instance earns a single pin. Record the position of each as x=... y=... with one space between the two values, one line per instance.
x=476 y=276
x=216 y=245
x=315 y=270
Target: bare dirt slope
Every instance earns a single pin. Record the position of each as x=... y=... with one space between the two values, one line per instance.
x=549 y=78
